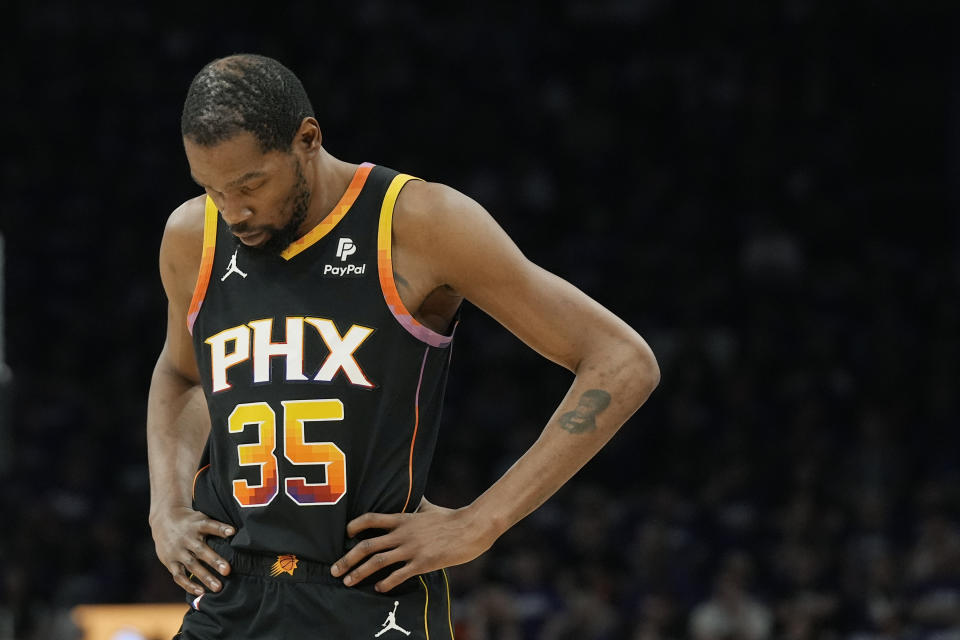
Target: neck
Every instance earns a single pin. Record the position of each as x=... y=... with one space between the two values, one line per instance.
x=328 y=179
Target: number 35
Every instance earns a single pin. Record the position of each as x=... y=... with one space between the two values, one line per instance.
x=296 y=449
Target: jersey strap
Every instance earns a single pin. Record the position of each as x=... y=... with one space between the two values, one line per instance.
x=210 y=215
x=385 y=269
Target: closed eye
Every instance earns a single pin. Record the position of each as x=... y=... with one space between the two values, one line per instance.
x=251 y=188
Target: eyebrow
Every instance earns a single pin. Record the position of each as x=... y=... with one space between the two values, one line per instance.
x=245 y=177
x=250 y=175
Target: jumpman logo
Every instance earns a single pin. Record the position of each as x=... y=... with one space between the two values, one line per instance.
x=232 y=267
x=391 y=623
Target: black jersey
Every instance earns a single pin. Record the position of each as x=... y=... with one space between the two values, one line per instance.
x=324 y=392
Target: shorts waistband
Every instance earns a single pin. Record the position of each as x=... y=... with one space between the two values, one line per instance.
x=287 y=567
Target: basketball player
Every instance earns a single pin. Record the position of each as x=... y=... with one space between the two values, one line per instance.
x=312 y=305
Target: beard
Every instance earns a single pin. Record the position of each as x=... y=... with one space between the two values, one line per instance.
x=299 y=202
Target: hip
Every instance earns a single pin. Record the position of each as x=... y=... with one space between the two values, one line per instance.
x=285 y=597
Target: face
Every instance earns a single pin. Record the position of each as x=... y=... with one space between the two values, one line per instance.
x=263 y=197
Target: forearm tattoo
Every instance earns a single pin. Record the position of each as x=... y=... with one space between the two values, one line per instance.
x=582 y=419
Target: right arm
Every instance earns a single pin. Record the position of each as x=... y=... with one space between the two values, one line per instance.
x=177 y=418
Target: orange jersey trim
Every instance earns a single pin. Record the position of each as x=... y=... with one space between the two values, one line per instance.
x=193 y=490
x=416 y=427
x=388 y=284
x=326 y=225
x=210 y=215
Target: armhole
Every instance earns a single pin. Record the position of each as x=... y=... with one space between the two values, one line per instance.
x=385 y=269
x=210 y=214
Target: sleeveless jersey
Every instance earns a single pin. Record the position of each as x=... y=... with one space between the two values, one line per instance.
x=324 y=392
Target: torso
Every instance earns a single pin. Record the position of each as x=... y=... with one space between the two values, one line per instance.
x=343 y=422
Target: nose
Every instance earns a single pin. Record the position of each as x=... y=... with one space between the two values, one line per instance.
x=234 y=212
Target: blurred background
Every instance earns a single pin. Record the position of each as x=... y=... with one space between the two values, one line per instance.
x=765 y=190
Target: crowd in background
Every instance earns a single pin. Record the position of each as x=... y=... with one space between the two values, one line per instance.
x=761 y=191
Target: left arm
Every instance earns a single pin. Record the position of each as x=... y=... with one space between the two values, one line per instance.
x=456 y=243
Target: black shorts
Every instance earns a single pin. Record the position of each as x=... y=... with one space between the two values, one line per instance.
x=280 y=598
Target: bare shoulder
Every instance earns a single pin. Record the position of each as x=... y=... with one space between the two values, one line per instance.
x=182 y=246
x=423 y=207
x=185 y=224
x=439 y=220
x=453 y=235
x=428 y=222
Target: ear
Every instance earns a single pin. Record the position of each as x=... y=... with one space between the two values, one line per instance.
x=308 y=138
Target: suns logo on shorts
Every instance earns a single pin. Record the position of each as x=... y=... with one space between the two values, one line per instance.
x=285 y=564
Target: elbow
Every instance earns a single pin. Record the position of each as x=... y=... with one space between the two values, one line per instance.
x=645 y=367
x=652 y=370
x=627 y=364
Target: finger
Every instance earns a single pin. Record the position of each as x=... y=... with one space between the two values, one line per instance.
x=363 y=549
x=203 y=551
x=375 y=563
x=374 y=521
x=201 y=573
x=185 y=583
x=213 y=527
x=399 y=576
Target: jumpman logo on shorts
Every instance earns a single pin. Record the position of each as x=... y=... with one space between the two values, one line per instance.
x=391 y=623
x=232 y=267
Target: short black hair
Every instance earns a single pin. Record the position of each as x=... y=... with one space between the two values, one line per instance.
x=245 y=92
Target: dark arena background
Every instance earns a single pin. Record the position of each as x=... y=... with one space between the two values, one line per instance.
x=767 y=191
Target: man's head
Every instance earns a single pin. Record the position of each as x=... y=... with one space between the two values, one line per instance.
x=249 y=132
x=245 y=92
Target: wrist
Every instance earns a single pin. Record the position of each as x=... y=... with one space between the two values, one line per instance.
x=489 y=524
x=163 y=509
